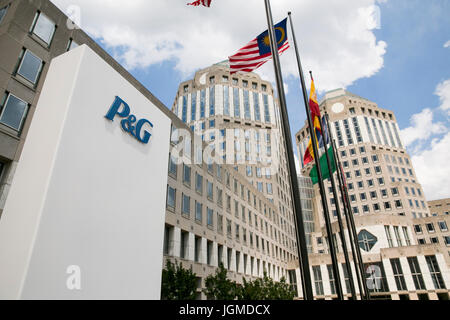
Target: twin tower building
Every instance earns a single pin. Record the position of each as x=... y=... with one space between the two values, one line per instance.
x=228 y=198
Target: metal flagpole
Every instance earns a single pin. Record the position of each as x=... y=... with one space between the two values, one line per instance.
x=357 y=259
x=319 y=174
x=338 y=209
x=301 y=236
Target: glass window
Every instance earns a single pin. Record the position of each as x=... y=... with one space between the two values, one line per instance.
x=30 y=66
x=187 y=175
x=43 y=27
x=3 y=12
x=416 y=273
x=209 y=217
x=171 y=197
x=318 y=280
x=398 y=274
x=71 y=45
x=443 y=226
x=436 y=275
x=198 y=211
x=186 y=205
x=366 y=240
x=13 y=111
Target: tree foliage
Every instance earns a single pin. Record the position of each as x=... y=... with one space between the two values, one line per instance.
x=265 y=289
x=178 y=283
x=219 y=287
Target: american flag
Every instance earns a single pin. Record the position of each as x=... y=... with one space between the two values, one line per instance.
x=257 y=52
x=205 y=3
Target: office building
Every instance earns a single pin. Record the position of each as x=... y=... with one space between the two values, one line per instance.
x=388 y=204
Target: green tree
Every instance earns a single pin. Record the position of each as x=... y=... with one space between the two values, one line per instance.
x=178 y=283
x=219 y=287
x=265 y=289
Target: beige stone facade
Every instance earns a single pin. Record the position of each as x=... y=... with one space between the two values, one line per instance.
x=387 y=201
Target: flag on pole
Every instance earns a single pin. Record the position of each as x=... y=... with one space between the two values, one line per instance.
x=315 y=115
x=324 y=167
x=205 y=3
x=257 y=52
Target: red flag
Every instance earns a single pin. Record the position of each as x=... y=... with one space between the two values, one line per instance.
x=205 y=3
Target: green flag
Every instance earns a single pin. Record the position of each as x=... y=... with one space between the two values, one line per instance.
x=323 y=165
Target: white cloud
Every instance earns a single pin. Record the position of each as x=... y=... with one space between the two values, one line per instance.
x=447 y=44
x=443 y=91
x=336 y=37
x=422 y=128
x=429 y=145
x=432 y=168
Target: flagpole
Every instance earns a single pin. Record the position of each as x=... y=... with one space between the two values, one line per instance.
x=319 y=172
x=301 y=236
x=338 y=209
x=357 y=258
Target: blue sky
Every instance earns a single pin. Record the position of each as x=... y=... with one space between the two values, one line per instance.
x=389 y=51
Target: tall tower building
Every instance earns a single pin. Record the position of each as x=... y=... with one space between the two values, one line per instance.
x=237 y=118
x=386 y=198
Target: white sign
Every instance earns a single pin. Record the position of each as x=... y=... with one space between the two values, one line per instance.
x=85 y=215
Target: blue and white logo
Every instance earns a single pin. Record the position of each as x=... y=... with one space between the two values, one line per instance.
x=129 y=120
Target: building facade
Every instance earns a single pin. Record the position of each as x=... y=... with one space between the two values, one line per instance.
x=236 y=117
x=386 y=199
x=238 y=214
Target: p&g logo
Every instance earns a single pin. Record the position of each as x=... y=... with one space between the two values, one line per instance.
x=129 y=123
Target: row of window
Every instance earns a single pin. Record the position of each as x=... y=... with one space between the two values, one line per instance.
x=377 y=281
x=251 y=111
x=367 y=172
x=13 y=110
x=259 y=224
x=234 y=81
x=435 y=240
x=431 y=228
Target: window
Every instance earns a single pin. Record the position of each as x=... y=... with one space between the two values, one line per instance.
x=43 y=27
x=237 y=111
x=435 y=272
x=3 y=12
x=266 y=108
x=13 y=111
x=397 y=236
x=332 y=280
x=172 y=166
x=318 y=280
x=418 y=229
x=398 y=274
x=30 y=66
x=186 y=205
x=256 y=106
x=416 y=273
x=186 y=175
x=171 y=197
x=430 y=227
x=366 y=240
x=202 y=104
x=71 y=45
x=406 y=235
x=443 y=226
x=198 y=211
x=210 y=190
x=387 y=229
x=212 y=101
